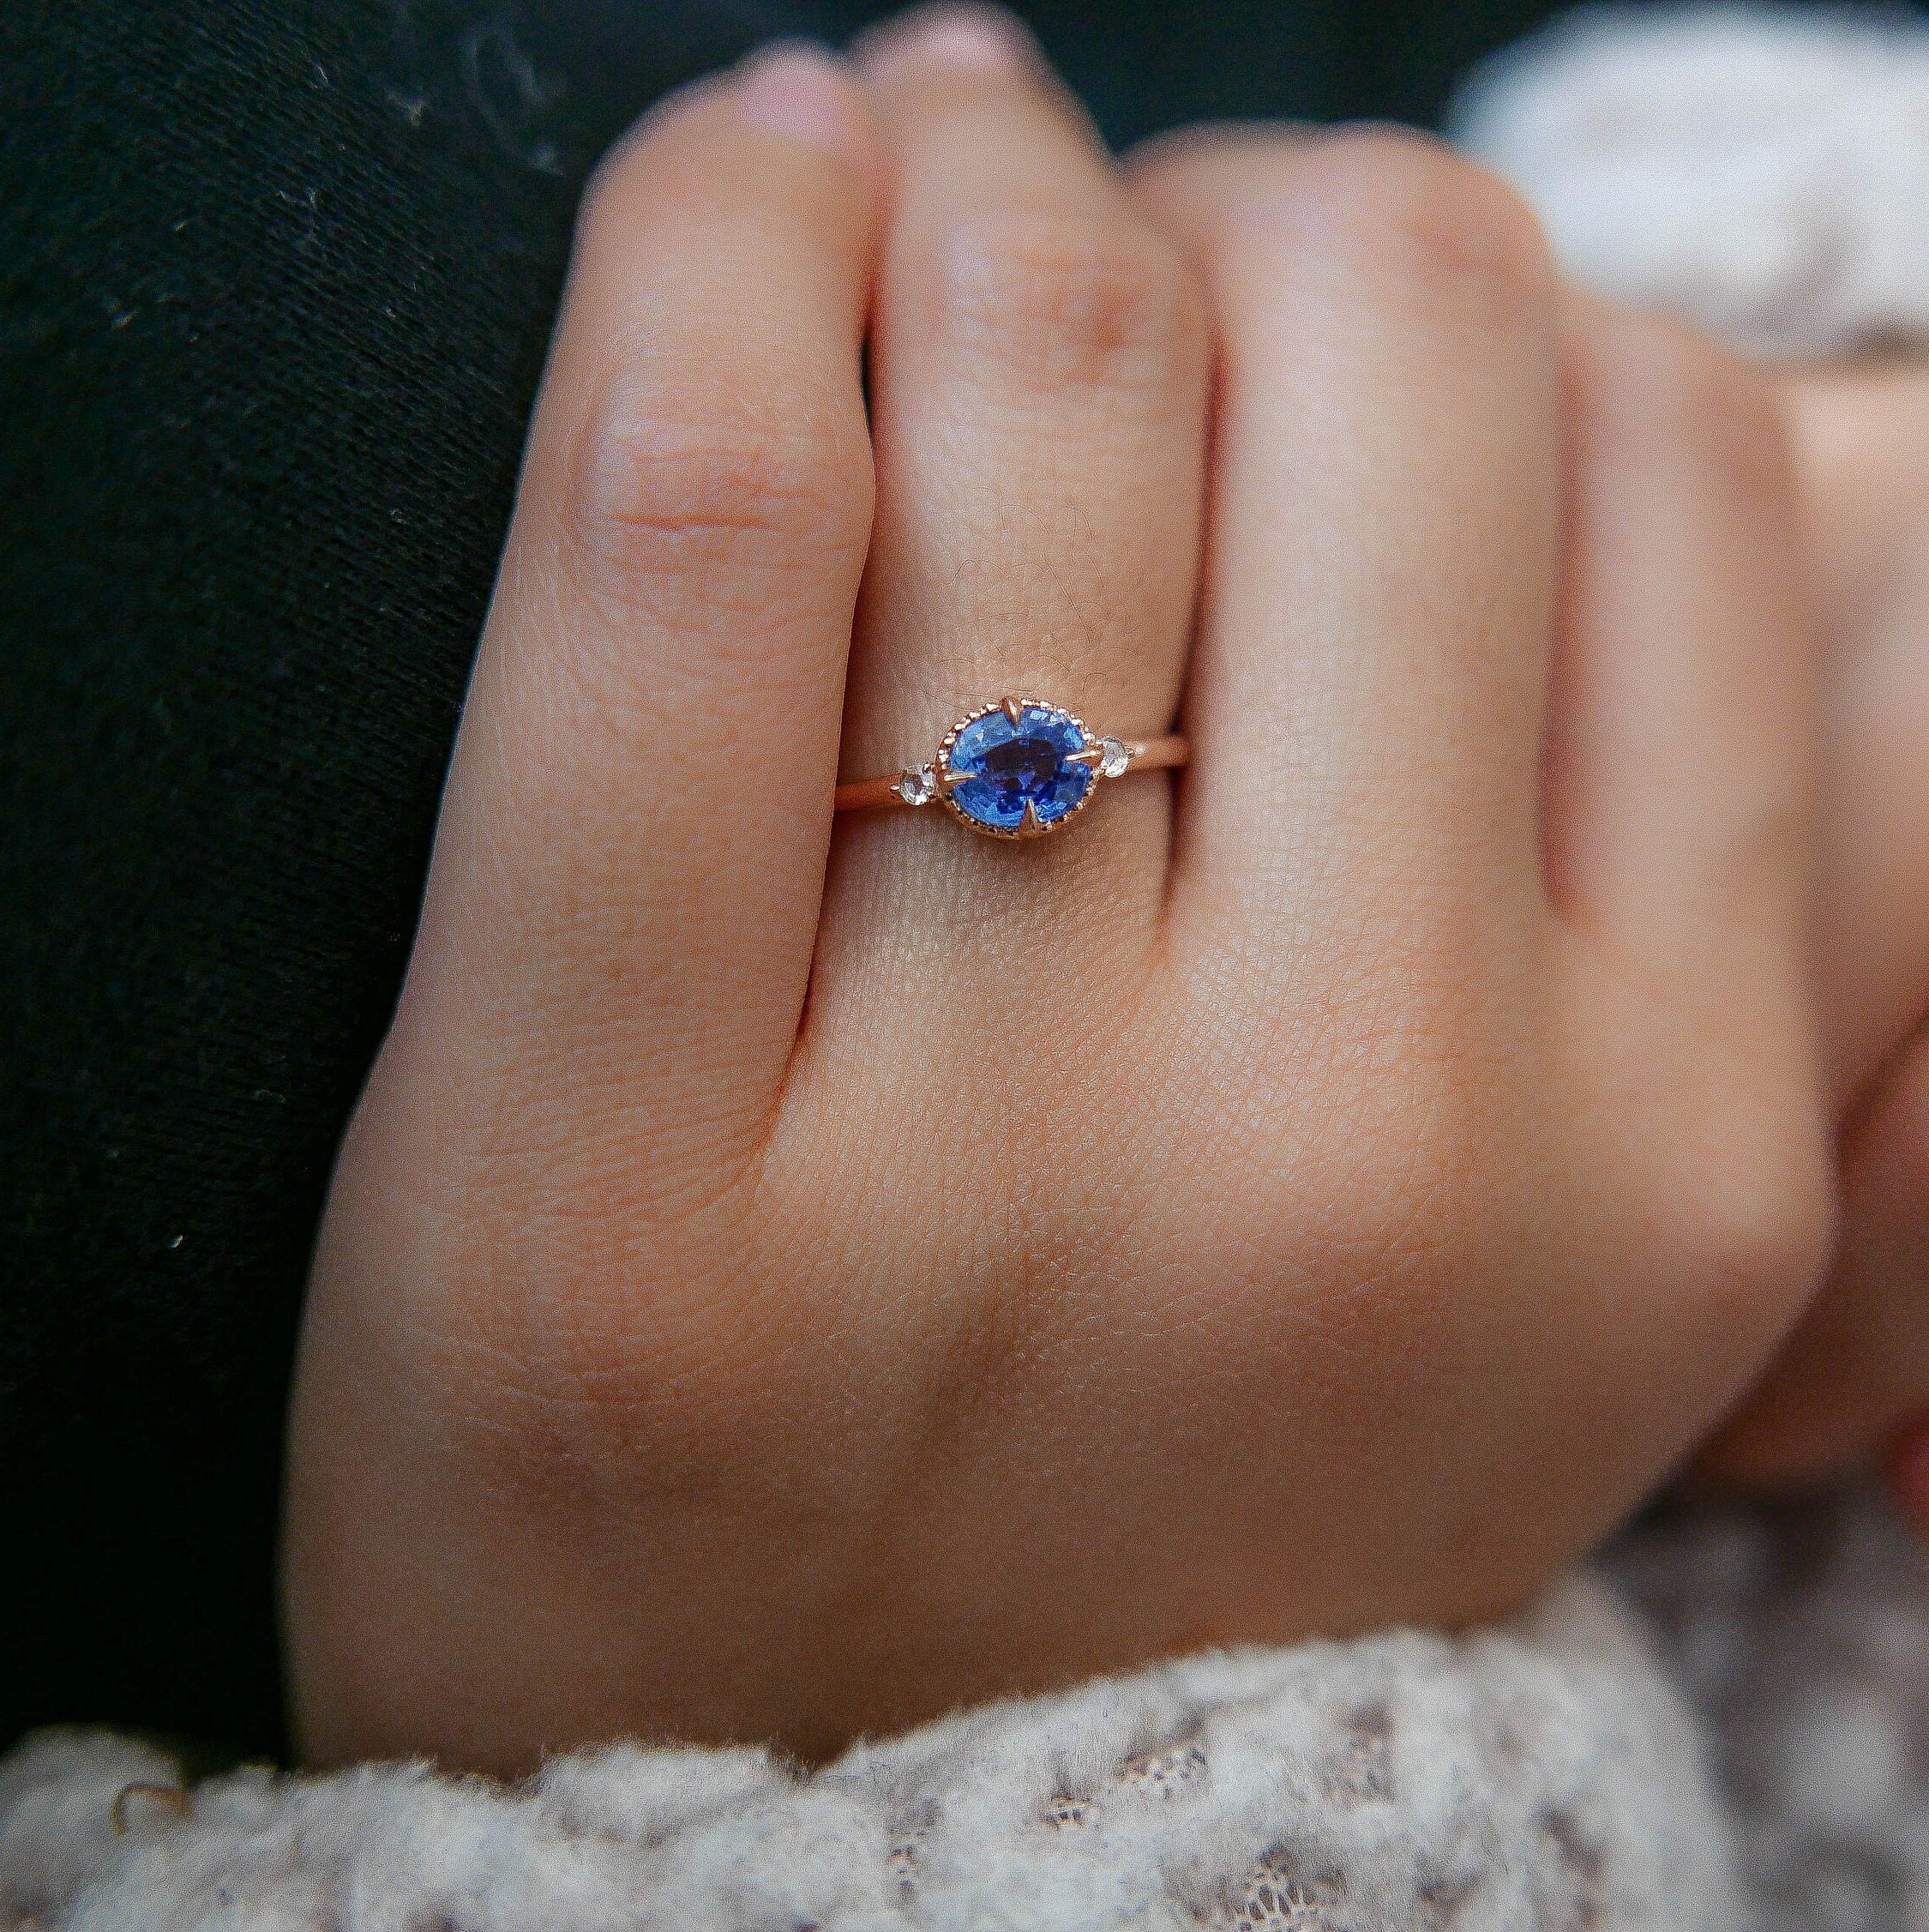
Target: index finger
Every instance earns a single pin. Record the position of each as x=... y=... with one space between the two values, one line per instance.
x=639 y=809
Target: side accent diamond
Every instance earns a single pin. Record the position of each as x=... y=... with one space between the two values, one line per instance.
x=919 y=787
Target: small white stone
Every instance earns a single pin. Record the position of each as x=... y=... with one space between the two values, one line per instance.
x=1116 y=760
x=918 y=788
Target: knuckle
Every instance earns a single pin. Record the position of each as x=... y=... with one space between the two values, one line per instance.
x=1405 y=216
x=678 y=479
x=1223 y=159
x=604 y=203
x=1062 y=302
x=1749 y=1218
x=1667 y=383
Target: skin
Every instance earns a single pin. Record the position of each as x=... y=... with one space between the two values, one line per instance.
x=785 y=1280
x=1854 y=1376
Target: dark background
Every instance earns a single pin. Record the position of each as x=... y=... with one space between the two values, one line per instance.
x=276 y=281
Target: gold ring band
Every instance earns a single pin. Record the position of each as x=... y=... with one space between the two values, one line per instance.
x=1015 y=769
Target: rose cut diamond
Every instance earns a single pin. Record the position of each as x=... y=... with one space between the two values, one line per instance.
x=918 y=788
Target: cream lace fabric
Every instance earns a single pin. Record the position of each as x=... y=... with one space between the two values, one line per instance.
x=1542 y=1778
x=1722 y=1728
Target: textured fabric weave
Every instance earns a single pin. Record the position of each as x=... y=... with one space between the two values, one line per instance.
x=1546 y=1778
x=1727 y=1727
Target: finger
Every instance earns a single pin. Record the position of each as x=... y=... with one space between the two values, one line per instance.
x=640 y=808
x=1858 y=433
x=1680 y=771
x=1039 y=368
x=1368 y=684
x=1857 y=1366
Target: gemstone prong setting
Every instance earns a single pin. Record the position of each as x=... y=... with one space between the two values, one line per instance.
x=1017 y=769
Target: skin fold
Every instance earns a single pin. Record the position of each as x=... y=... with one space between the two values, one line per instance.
x=786 y=1279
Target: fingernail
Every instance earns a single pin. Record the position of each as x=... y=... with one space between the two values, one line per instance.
x=980 y=39
x=797 y=91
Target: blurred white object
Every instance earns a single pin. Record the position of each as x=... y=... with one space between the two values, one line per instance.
x=1762 y=172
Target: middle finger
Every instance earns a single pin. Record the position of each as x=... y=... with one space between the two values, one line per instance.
x=1038 y=370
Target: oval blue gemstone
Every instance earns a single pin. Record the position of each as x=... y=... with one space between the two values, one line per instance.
x=1014 y=764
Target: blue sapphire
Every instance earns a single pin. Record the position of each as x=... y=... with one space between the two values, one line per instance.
x=1012 y=765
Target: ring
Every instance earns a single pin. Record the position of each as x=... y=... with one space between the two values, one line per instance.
x=1015 y=769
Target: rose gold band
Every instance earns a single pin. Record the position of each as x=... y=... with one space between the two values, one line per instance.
x=1149 y=754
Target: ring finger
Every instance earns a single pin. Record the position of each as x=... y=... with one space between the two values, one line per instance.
x=1038 y=371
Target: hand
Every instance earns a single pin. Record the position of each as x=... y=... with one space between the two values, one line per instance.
x=1857 y=1369
x=783 y=1282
